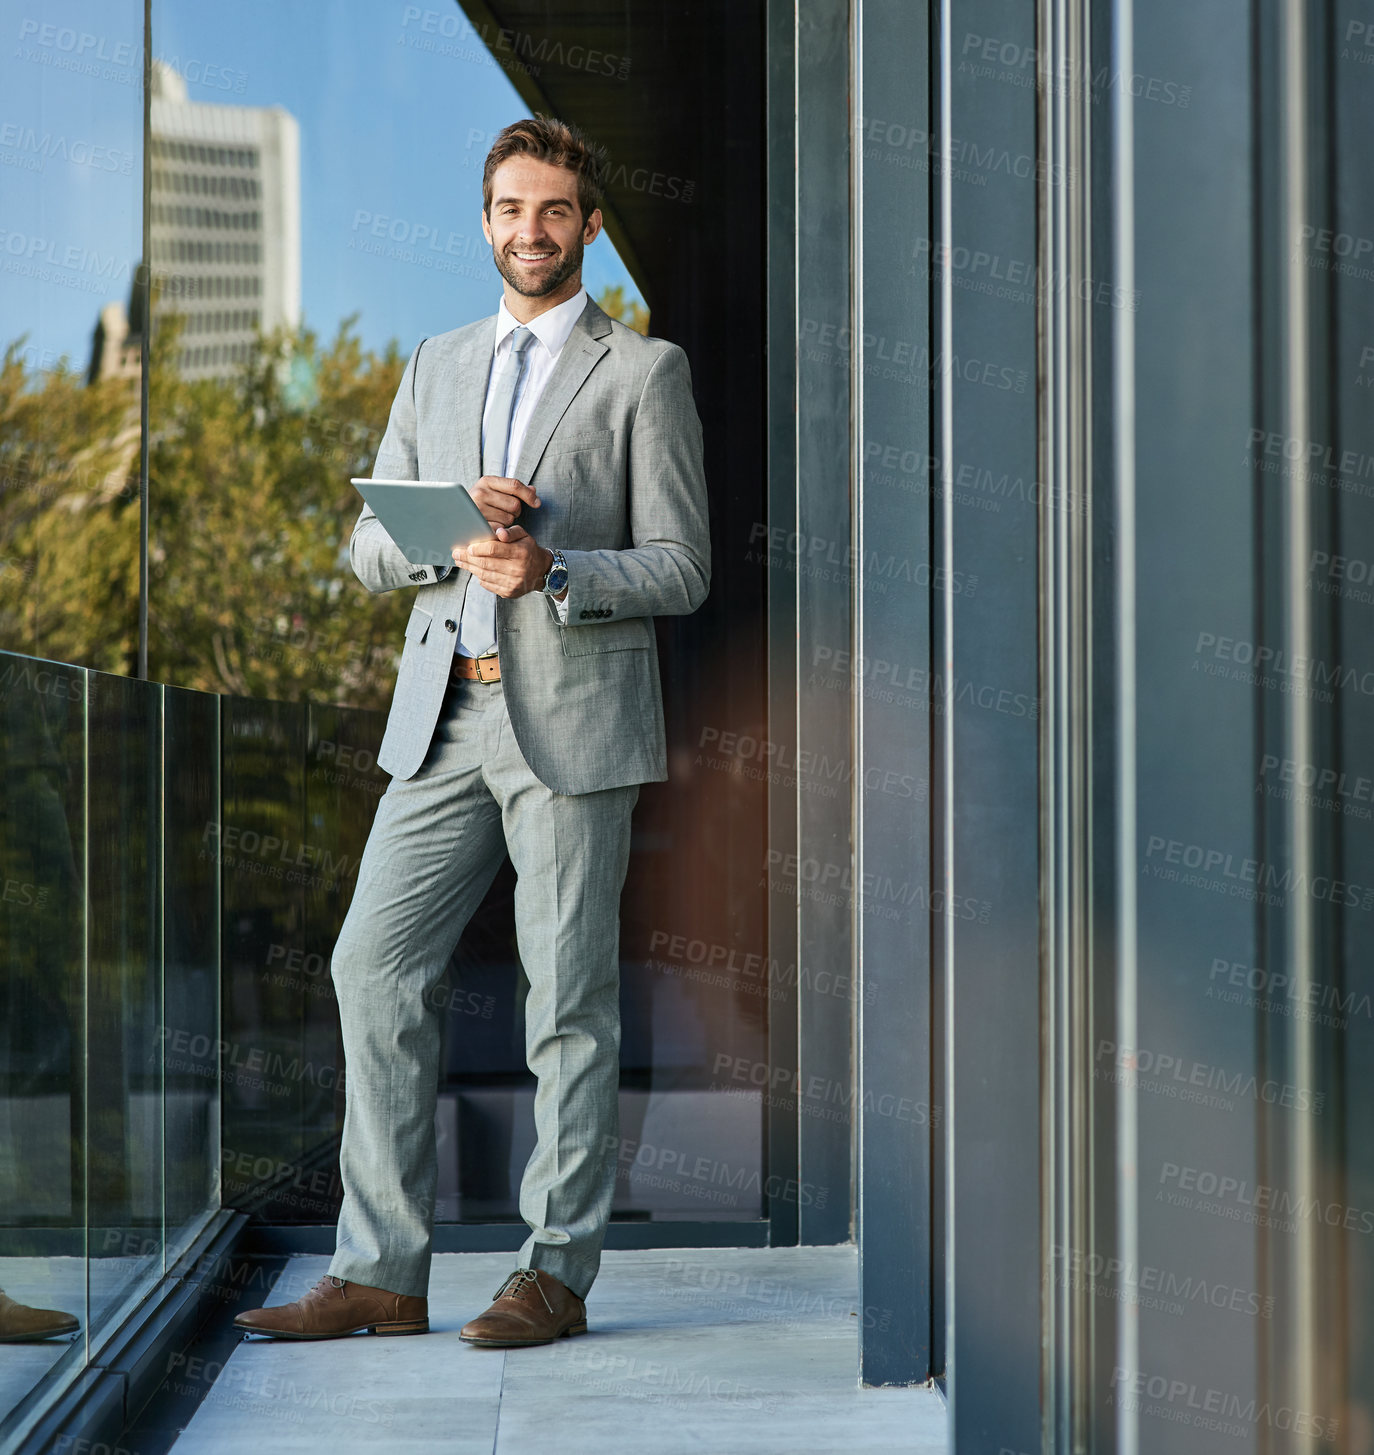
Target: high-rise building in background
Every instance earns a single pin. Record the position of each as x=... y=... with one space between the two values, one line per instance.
x=116 y=350
x=224 y=233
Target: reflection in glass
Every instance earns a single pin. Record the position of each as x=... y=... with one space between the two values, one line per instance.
x=127 y=1037
x=271 y=1092
x=301 y=786
x=42 y=973
x=190 y=957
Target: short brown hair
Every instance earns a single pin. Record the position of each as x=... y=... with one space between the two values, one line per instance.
x=547 y=140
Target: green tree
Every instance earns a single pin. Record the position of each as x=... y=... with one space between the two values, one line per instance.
x=250 y=587
x=68 y=516
x=250 y=515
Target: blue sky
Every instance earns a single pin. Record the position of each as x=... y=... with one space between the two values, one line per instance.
x=396 y=105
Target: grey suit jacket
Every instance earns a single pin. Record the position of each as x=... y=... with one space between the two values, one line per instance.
x=614 y=451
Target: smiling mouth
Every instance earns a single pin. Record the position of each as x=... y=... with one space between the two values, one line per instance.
x=533 y=257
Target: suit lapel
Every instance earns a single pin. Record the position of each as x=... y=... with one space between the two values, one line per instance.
x=578 y=357
x=471 y=365
x=473 y=369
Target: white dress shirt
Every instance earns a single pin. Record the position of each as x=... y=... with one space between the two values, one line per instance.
x=551 y=330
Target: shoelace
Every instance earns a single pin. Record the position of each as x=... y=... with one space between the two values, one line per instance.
x=521 y=1279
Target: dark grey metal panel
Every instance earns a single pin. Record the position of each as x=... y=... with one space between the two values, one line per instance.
x=782 y=1148
x=1294 y=519
x=888 y=674
x=1196 y=712
x=1347 y=581
x=817 y=556
x=983 y=268
x=1066 y=692
x=1110 y=1136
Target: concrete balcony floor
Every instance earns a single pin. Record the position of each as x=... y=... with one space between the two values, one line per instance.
x=727 y=1351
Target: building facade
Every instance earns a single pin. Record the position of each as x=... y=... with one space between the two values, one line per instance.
x=224 y=234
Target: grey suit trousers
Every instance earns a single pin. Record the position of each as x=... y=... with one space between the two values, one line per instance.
x=434 y=848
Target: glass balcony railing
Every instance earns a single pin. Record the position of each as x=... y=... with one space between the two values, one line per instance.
x=109 y=1005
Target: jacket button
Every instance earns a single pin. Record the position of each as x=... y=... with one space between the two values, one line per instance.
x=450 y=625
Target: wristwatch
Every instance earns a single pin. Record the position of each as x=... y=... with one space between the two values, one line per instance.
x=556 y=582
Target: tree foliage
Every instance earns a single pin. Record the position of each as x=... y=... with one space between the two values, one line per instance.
x=68 y=516
x=250 y=590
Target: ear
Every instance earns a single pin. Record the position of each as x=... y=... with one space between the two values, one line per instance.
x=591 y=229
x=486 y=225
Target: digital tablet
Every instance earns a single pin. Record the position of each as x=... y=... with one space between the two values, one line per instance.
x=425 y=518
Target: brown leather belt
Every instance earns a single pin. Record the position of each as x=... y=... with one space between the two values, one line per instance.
x=475 y=669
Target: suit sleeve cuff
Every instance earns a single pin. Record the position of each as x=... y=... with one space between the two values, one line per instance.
x=557 y=609
x=428 y=575
x=580 y=607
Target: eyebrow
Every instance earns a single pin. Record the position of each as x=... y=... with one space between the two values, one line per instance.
x=548 y=202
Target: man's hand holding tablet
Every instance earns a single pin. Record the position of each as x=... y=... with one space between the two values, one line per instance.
x=513 y=564
x=434 y=521
x=500 y=498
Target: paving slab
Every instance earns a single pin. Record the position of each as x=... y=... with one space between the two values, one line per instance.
x=740 y=1351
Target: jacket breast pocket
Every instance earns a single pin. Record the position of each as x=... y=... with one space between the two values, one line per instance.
x=417 y=628
x=615 y=636
x=601 y=439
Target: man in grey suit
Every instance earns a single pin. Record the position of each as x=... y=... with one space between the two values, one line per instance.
x=527 y=712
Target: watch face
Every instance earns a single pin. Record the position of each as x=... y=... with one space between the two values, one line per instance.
x=557 y=580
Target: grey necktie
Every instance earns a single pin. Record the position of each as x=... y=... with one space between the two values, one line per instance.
x=477 y=628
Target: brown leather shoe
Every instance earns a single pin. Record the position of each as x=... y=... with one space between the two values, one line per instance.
x=532 y=1307
x=335 y=1307
x=19 y=1324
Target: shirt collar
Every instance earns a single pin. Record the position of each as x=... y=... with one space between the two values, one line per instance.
x=551 y=328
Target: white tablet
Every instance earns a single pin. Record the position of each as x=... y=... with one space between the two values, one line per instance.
x=425 y=518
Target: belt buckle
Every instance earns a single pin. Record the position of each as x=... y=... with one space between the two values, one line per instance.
x=481 y=663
